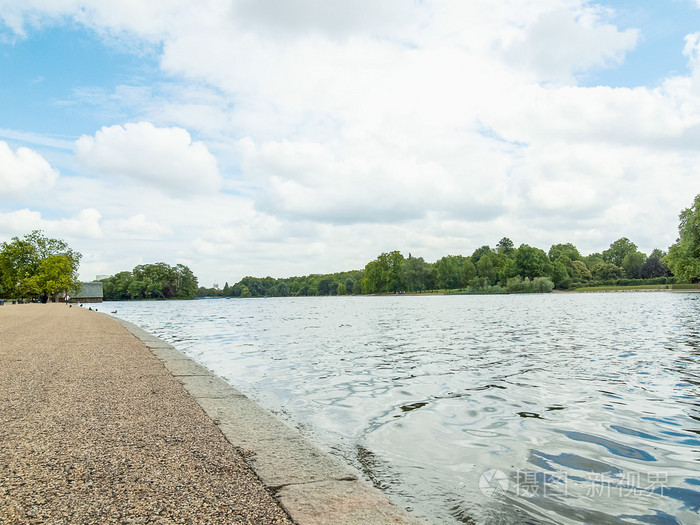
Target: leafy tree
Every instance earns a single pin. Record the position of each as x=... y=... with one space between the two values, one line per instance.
x=416 y=274
x=532 y=262
x=451 y=271
x=325 y=286
x=486 y=267
x=479 y=253
x=542 y=285
x=567 y=250
x=36 y=263
x=580 y=272
x=618 y=250
x=593 y=260
x=384 y=273
x=684 y=255
x=632 y=264
x=506 y=247
x=654 y=266
x=375 y=277
x=155 y=281
x=607 y=271
x=468 y=272
x=560 y=275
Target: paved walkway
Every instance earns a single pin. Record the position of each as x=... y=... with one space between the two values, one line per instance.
x=93 y=429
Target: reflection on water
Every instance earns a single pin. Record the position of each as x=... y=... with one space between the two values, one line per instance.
x=577 y=408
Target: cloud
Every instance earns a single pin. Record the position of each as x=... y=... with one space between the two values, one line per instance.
x=24 y=172
x=83 y=225
x=164 y=157
x=350 y=128
x=563 y=42
x=332 y=19
x=137 y=227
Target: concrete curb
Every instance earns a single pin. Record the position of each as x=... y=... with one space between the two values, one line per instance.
x=314 y=487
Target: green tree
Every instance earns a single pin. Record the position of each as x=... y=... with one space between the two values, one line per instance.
x=593 y=260
x=384 y=273
x=451 y=271
x=479 y=253
x=654 y=266
x=532 y=262
x=506 y=247
x=416 y=274
x=607 y=271
x=36 y=263
x=486 y=267
x=684 y=255
x=632 y=264
x=567 y=250
x=560 y=275
x=580 y=272
x=618 y=251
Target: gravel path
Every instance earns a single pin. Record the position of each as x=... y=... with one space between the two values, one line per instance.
x=93 y=429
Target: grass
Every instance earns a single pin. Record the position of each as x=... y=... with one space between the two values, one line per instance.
x=618 y=288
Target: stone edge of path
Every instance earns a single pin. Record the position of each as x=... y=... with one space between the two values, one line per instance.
x=312 y=486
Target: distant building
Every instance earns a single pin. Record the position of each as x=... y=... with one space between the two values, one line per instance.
x=89 y=293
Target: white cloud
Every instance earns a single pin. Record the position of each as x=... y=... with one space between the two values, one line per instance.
x=563 y=42
x=24 y=172
x=164 y=157
x=136 y=227
x=347 y=129
x=83 y=225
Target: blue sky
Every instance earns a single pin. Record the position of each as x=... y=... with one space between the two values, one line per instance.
x=283 y=138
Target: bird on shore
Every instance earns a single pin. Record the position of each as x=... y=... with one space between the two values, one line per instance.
x=114 y=312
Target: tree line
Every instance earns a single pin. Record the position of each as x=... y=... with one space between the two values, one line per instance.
x=36 y=264
x=151 y=281
x=501 y=269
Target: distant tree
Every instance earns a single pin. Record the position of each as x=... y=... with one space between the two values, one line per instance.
x=480 y=252
x=560 y=275
x=684 y=255
x=632 y=264
x=532 y=262
x=349 y=285
x=593 y=260
x=325 y=286
x=416 y=274
x=618 y=250
x=486 y=267
x=375 y=277
x=580 y=272
x=36 y=263
x=567 y=250
x=506 y=247
x=155 y=281
x=450 y=271
x=607 y=271
x=655 y=266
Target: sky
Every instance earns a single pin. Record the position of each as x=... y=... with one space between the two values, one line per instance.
x=290 y=137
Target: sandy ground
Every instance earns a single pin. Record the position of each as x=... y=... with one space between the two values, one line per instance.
x=93 y=429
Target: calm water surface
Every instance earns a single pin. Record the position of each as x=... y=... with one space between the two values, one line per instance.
x=558 y=408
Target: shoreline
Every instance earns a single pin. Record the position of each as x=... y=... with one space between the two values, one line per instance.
x=310 y=484
x=102 y=422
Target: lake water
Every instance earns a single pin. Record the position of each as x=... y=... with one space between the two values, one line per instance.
x=556 y=408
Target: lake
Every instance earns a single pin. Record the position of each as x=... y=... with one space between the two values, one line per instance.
x=548 y=408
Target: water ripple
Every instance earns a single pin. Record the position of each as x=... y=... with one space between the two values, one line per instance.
x=587 y=404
